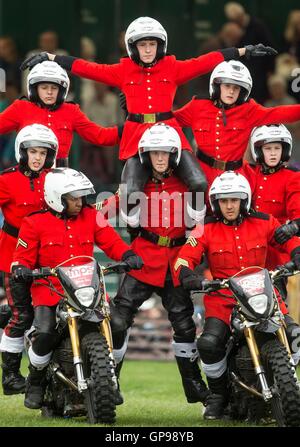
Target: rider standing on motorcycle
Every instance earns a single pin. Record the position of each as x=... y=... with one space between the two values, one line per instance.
x=222 y=124
x=149 y=79
x=47 y=89
x=160 y=235
x=234 y=238
x=69 y=228
x=21 y=193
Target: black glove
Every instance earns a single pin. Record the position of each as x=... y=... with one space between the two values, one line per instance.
x=259 y=50
x=31 y=61
x=296 y=260
x=20 y=273
x=134 y=261
x=189 y=280
x=285 y=232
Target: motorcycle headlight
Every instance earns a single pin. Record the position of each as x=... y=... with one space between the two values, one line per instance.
x=85 y=295
x=259 y=303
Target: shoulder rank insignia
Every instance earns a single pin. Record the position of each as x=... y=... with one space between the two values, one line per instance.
x=22 y=243
x=181 y=262
x=192 y=241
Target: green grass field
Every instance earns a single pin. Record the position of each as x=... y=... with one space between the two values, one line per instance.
x=153 y=398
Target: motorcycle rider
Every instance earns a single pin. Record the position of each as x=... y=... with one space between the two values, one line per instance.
x=21 y=193
x=223 y=123
x=149 y=79
x=277 y=189
x=47 y=89
x=68 y=228
x=160 y=234
x=234 y=238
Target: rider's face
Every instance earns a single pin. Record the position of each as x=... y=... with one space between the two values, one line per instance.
x=272 y=153
x=36 y=158
x=74 y=205
x=160 y=161
x=230 y=208
x=147 y=50
x=48 y=93
x=229 y=93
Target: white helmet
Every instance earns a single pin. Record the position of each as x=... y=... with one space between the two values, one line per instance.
x=145 y=27
x=62 y=181
x=160 y=137
x=268 y=134
x=36 y=135
x=230 y=184
x=48 y=71
x=231 y=72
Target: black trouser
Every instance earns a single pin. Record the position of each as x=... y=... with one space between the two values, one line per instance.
x=45 y=336
x=19 y=300
x=131 y=295
x=135 y=175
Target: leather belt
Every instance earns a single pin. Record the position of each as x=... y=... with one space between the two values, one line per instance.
x=219 y=164
x=162 y=241
x=149 y=117
x=10 y=229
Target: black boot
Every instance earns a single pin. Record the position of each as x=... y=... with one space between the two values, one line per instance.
x=218 y=399
x=5 y=315
x=12 y=380
x=35 y=387
x=194 y=387
x=119 y=399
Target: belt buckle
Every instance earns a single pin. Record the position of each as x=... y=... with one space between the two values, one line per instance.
x=164 y=241
x=219 y=164
x=149 y=118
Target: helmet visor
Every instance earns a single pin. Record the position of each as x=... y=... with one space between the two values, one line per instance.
x=232 y=81
x=170 y=149
x=36 y=143
x=80 y=193
x=50 y=80
x=230 y=195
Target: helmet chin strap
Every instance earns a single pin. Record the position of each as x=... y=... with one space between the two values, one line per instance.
x=270 y=170
x=158 y=175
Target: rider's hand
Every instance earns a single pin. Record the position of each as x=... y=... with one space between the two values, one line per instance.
x=134 y=261
x=285 y=232
x=20 y=273
x=259 y=50
x=31 y=61
x=189 y=280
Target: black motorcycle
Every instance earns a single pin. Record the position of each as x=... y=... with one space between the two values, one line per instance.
x=81 y=378
x=261 y=372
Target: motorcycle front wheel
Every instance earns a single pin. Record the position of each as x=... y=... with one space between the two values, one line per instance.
x=97 y=368
x=280 y=373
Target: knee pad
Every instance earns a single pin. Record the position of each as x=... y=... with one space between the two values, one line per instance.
x=212 y=343
x=44 y=342
x=184 y=331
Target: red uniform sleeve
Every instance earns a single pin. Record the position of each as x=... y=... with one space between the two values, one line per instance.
x=26 y=252
x=107 y=239
x=108 y=74
x=184 y=115
x=293 y=197
x=288 y=246
x=92 y=132
x=191 y=252
x=4 y=191
x=260 y=115
x=191 y=68
x=10 y=118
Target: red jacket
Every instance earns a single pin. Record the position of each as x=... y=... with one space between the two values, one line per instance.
x=18 y=197
x=229 y=142
x=229 y=249
x=147 y=90
x=277 y=194
x=46 y=240
x=65 y=120
x=161 y=215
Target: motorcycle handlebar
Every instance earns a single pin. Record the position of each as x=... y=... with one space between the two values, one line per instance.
x=43 y=272
x=118 y=267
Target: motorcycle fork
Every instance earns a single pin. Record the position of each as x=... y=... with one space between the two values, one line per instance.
x=74 y=336
x=106 y=332
x=259 y=370
x=281 y=334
